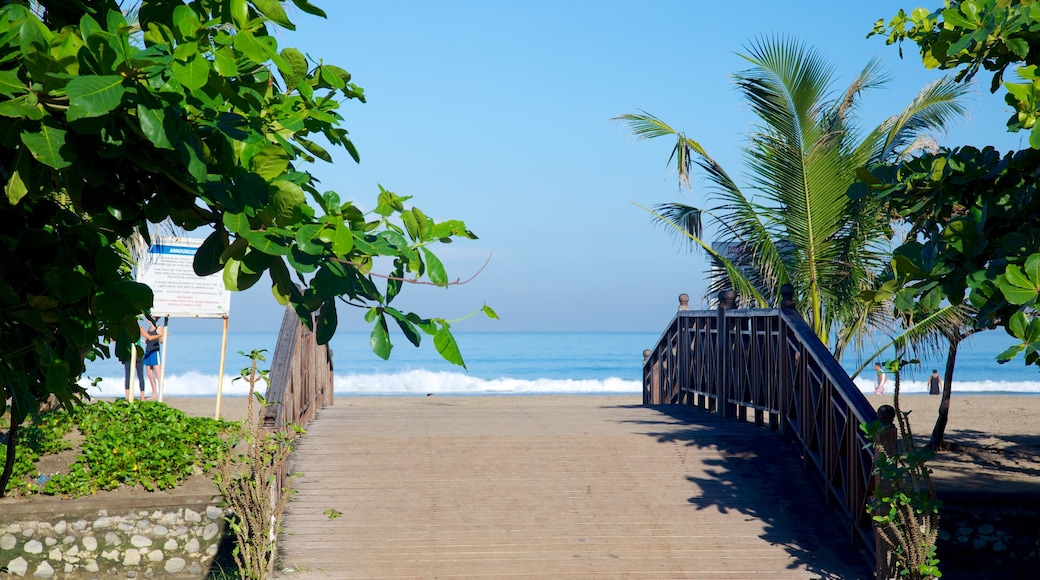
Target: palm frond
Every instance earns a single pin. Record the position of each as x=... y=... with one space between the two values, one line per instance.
x=741 y=285
x=924 y=336
x=646 y=126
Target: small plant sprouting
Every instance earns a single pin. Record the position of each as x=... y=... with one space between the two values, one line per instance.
x=249 y=480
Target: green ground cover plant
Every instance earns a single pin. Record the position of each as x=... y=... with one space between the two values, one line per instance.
x=124 y=444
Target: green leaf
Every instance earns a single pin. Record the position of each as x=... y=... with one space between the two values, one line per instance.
x=48 y=145
x=224 y=62
x=192 y=73
x=309 y=8
x=298 y=65
x=490 y=313
x=272 y=9
x=285 y=200
x=380 y=338
x=434 y=268
x=342 y=240
x=270 y=162
x=153 y=123
x=1015 y=286
x=10 y=84
x=237 y=278
x=15 y=188
x=281 y=283
x=446 y=345
x=207 y=257
x=409 y=330
x=327 y=321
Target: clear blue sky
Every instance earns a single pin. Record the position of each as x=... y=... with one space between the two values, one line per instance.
x=498 y=113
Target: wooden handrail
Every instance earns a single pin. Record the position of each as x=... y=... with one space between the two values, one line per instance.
x=768 y=367
x=301 y=383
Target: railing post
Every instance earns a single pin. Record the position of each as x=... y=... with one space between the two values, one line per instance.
x=649 y=382
x=727 y=299
x=887 y=439
x=783 y=363
x=683 y=358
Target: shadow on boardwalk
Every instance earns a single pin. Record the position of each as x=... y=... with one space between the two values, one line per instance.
x=759 y=474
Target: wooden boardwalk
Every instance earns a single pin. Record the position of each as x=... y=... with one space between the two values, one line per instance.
x=553 y=487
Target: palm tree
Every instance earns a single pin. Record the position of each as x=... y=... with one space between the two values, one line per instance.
x=795 y=221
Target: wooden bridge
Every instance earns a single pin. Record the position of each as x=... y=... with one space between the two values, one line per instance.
x=600 y=487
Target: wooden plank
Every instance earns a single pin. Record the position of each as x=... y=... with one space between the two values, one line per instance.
x=553 y=487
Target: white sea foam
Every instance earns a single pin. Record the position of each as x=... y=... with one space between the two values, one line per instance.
x=190 y=384
x=416 y=382
x=421 y=382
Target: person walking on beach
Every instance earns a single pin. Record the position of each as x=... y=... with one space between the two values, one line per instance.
x=934 y=383
x=153 y=336
x=139 y=364
x=879 y=386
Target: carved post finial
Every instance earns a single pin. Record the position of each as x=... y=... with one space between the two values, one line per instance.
x=684 y=301
x=646 y=354
x=787 y=296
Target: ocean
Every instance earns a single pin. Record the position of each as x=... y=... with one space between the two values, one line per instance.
x=514 y=363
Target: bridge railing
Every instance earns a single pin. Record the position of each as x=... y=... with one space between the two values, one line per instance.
x=767 y=366
x=301 y=381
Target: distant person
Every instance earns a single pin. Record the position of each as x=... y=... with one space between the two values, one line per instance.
x=153 y=341
x=934 y=383
x=879 y=386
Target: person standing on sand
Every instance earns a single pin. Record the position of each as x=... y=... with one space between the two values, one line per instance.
x=879 y=386
x=934 y=383
x=151 y=356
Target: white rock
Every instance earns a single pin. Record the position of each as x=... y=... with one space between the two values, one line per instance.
x=8 y=542
x=14 y=529
x=139 y=541
x=171 y=519
x=112 y=539
x=111 y=555
x=131 y=557
x=155 y=556
x=144 y=524
x=91 y=566
x=124 y=527
x=73 y=551
x=44 y=570
x=18 y=566
x=210 y=532
x=160 y=530
x=72 y=559
x=69 y=567
x=54 y=554
x=28 y=532
x=90 y=543
x=213 y=512
x=79 y=525
x=60 y=527
x=103 y=523
x=195 y=569
x=33 y=547
x=174 y=565
x=192 y=516
x=211 y=550
x=68 y=540
x=192 y=547
x=170 y=544
x=50 y=541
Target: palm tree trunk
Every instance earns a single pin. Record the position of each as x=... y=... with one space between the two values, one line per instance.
x=944 y=406
x=12 y=441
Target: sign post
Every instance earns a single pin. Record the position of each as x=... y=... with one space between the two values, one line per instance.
x=167 y=268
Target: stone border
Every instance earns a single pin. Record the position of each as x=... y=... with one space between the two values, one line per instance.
x=147 y=542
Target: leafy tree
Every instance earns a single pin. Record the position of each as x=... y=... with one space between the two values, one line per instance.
x=795 y=223
x=192 y=114
x=974 y=215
